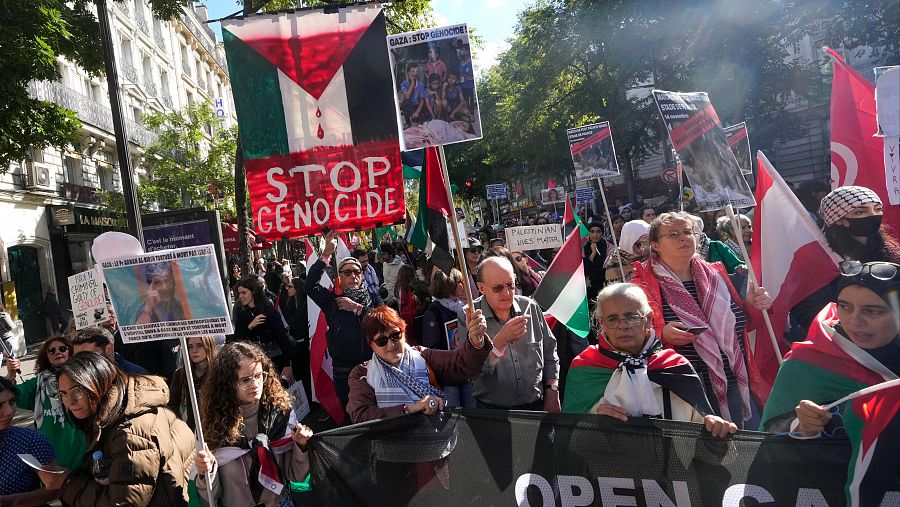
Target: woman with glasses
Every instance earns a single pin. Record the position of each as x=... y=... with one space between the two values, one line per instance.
x=254 y=445
x=527 y=277
x=140 y=451
x=39 y=394
x=629 y=373
x=399 y=379
x=202 y=352
x=257 y=320
x=344 y=310
x=698 y=312
x=853 y=230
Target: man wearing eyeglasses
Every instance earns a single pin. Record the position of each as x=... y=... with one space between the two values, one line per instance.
x=522 y=371
x=343 y=313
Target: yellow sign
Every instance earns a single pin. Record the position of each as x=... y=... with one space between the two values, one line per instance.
x=9 y=299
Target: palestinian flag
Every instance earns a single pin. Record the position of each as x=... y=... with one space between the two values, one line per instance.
x=571 y=221
x=435 y=207
x=312 y=90
x=563 y=291
x=825 y=368
x=412 y=164
x=591 y=371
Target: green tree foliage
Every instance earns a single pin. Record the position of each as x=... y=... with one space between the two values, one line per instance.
x=33 y=33
x=191 y=161
x=573 y=62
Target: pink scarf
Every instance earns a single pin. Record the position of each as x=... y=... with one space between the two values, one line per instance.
x=715 y=313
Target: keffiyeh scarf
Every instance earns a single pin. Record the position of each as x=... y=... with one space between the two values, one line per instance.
x=401 y=385
x=359 y=295
x=714 y=312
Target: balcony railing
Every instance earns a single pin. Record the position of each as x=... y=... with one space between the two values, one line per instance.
x=142 y=24
x=129 y=72
x=186 y=67
x=158 y=36
x=203 y=34
x=88 y=110
x=167 y=100
x=150 y=87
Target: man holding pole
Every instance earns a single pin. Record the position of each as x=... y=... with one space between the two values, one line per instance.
x=522 y=371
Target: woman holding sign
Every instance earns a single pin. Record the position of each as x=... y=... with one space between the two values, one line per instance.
x=257 y=446
x=698 y=312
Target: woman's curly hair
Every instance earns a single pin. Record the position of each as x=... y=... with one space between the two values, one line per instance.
x=223 y=422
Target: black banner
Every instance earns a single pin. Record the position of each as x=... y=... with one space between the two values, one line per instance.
x=479 y=457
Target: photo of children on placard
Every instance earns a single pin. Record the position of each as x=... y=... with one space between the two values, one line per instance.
x=712 y=170
x=553 y=195
x=435 y=87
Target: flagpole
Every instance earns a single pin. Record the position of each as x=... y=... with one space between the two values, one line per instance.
x=739 y=236
x=454 y=229
x=198 y=428
x=612 y=233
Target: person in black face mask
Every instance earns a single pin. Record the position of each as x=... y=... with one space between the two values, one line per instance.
x=853 y=229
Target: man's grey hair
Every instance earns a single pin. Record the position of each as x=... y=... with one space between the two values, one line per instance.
x=625 y=290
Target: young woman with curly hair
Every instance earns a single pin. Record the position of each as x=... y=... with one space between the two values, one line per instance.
x=245 y=409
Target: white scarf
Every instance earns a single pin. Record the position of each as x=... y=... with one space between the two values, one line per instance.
x=633 y=391
x=454 y=305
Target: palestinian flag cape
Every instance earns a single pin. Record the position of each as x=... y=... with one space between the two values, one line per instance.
x=563 y=290
x=572 y=221
x=591 y=371
x=825 y=368
x=434 y=208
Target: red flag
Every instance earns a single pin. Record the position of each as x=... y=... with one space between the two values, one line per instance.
x=550 y=183
x=319 y=360
x=857 y=156
x=572 y=222
x=518 y=189
x=791 y=259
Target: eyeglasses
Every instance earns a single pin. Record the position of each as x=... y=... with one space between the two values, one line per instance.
x=382 y=340
x=478 y=250
x=616 y=322
x=61 y=349
x=676 y=235
x=877 y=270
x=76 y=394
x=497 y=289
x=351 y=272
x=248 y=383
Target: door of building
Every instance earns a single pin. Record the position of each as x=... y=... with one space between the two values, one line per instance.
x=25 y=272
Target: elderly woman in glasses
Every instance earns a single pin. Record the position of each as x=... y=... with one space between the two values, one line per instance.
x=698 y=312
x=258 y=447
x=141 y=448
x=39 y=393
x=400 y=379
x=629 y=373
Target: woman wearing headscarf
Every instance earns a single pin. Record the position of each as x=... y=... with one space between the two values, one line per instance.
x=853 y=230
x=698 y=312
x=633 y=247
x=399 y=379
x=629 y=373
x=41 y=394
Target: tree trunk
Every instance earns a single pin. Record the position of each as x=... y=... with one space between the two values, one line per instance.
x=240 y=203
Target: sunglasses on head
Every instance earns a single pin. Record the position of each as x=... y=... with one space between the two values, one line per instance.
x=877 y=270
x=62 y=349
x=382 y=340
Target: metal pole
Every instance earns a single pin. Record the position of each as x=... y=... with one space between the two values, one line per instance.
x=195 y=407
x=612 y=233
x=126 y=171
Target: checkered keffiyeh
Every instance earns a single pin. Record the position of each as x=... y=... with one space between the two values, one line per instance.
x=841 y=200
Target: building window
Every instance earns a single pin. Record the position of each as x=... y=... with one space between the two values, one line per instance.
x=73 y=171
x=126 y=51
x=106 y=178
x=136 y=114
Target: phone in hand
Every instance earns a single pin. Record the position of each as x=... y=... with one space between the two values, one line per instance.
x=695 y=330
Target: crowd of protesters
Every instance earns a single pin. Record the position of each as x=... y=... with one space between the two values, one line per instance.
x=669 y=298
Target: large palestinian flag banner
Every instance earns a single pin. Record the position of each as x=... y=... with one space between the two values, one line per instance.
x=315 y=108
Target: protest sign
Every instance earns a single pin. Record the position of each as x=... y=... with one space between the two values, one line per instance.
x=534 y=237
x=553 y=195
x=584 y=195
x=88 y=299
x=167 y=294
x=312 y=92
x=434 y=83
x=699 y=139
x=592 y=151
x=168 y=236
x=739 y=142
x=496 y=191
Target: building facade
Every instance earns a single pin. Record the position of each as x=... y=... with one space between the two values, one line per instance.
x=49 y=205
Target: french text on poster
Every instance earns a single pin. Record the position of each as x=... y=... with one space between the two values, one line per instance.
x=312 y=91
x=496 y=191
x=534 y=237
x=593 y=152
x=434 y=87
x=699 y=140
x=168 y=236
x=739 y=141
x=553 y=195
x=88 y=299
x=584 y=195
x=168 y=294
